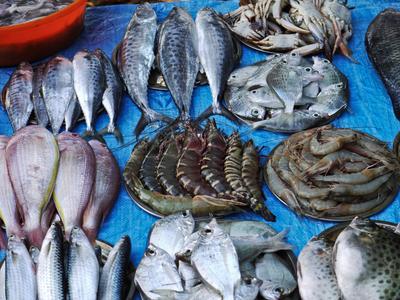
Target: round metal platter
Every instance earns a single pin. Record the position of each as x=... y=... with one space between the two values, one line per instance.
x=371 y=212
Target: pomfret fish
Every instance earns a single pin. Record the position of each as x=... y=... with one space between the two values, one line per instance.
x=17 y=96
x=238 y=103
x=330 y=74
x=246 y=228
x=72 y=113
x=32 y=161
x=248 y=289
x=189 y=243
x=177 y=57
x=365 y=260
x=39 y=107
x=189 y=275
x=57 y=89
x=331 y=99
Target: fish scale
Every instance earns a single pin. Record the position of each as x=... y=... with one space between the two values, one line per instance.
x=39 y=106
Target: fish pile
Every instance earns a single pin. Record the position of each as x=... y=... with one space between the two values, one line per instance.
x=305 y=26
x=287 y=93
x=217 y=260
x=359 y=263
x=64 y=272
x=20 y=11
x=199 y=170
x=381 y=41
x=333 y=173
x=42 y=174
x=60 y=90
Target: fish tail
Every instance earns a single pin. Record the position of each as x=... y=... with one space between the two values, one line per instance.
x=111 y=129
x=35 y=237
x=220 y=110
x=150 y=116
x=260 y=208
x=276 y=242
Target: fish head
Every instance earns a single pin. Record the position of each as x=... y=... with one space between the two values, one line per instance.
x=186 y=251
x=186 y=222
x=211 y=230
x=249 y=287
x=311 y=75
x=145 y=12
x=271 y=290
x=207 y=13
x=239 y=102
x=322 y=65
x=77 y=235
x=15 y=245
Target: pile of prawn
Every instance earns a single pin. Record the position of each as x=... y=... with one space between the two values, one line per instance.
x=305 y=26
x=331 y=172
x=198 y=170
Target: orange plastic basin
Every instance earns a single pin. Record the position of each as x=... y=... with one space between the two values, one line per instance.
x=37 y=39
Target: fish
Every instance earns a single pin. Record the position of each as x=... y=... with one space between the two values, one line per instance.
x=216 y=51
x=189 y=243
x=315 y=273
x=114 y=273
x=51 y=276
x=330 y=74
x=216 y=260
x=248 y=289
x=32 y=157
x=169 y=233
x=157 y=271
x=277 y=279
x=8 y=204
x=57 y=89
x=75 y=179
x=246 y=228
x=365 y=259
x=89 y=84
x=17 y=96
x=177 y=57
x=189 y=275
x=331 y=100
x=381 y=40
x=82 y=267
x=72 y=114
x=112 y=96
x=39 y=107
x=135 y=60
x=105 y=189
x=20 y=271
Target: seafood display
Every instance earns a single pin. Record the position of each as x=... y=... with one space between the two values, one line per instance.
x=20 y=11
x=381 y=40
x=197 y=170
x=333 y=173
x=215 y=260
x=304 y=26
x=355 y=261
x=287 y=93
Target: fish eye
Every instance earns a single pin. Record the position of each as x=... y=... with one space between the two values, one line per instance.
x=315 y=115
x=340 y=85
x=279 y=290
x=284 y=61
x=326 y=61
x=254 y=91
x=308 y=69
x=233 y=76
x=207 y=231
x=293 y=54
x=185 y=214
x=188 y=251
x=151 y=252
x=247 y=280
x=255 y=112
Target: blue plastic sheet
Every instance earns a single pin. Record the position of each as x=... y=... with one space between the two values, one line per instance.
x=370 y=111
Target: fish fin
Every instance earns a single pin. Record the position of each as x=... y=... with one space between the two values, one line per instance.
x=259 y=208
x=221 y=110
x=149 y=117
x=276 y=242
x=35 y=237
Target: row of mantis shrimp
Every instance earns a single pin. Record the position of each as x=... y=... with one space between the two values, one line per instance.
x=194 y=169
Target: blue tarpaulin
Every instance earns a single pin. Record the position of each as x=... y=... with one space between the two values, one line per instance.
x=370 y=110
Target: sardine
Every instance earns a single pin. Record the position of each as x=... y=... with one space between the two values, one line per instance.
x=216 y=51
x=50 y=268
x=177 y=57
x=382 y=40
x=82 y=267
x=39 y=107
x=89 y=84
x=74 y=111
x=105 y=189
x=8 y=204
x=32 y=161
x=114 y=273
x=57 y=89
x=20 y=272
x=75 y=179
x=135 y=60
x=17 y=96
x=169 y=233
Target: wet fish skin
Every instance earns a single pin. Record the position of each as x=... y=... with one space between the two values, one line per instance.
x=89 y=84
x=32 y=157
x=57 y=89
x=177 y=57
x=39 y=107
x=75 y=179
x=114 y=273
x=169 y=233
x=3 y=282
x=382 y=40
x=50 y=268
x=189 y=275
x=72 y=114
x=82 y=267
x=248 y=288
x=48 y=216
x=17 y=96
x=330 y=74
x=20 y=271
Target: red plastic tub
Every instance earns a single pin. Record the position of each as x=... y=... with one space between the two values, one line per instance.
x=37 y=39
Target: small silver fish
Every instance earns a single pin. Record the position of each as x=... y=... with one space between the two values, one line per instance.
x=248 y=289
x=189 y=275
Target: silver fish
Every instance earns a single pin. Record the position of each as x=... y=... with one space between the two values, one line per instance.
x=50 y=268
x=135 y=59
x=169 y=233
x=189 y=243
x=216 y=51
x=157 y=272
x=39 y=107
x=331 y=75
x=246 y=228
x=72 y=113
x=331 y=99
x=216 y=260
x=17 y=96
x=32 y=161
x=89 y=83
x=248 y=289
x=113 y=275
x=57 y=89
x=199 y=292
x=75 y=179
x=20 y=272
x=82 y=267
x=189 y=275
x=365 y=260
x=177 y=57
